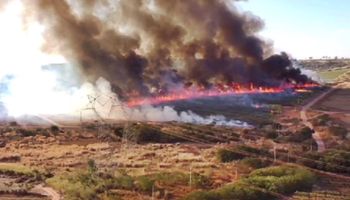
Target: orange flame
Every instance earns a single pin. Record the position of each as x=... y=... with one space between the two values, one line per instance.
x=219 y=90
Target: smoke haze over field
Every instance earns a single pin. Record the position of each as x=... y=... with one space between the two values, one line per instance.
x=140 y=45
x=139 y=48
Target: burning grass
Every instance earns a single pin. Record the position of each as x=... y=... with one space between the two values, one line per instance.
x=226 y=90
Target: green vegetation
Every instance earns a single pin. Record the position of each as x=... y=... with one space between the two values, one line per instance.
x=12 y=169
x=144 y=133
x=271 y=135
x=26 y=132
x=15 y=169
x=331 y=75
x=252 y=150
x=55 y=129
x=339 y=131
x=334 y=160
x=282 y=179
x=302 y=135
x=179 y=178
x=324 y=195
x=255 y=163
x=321 y=120
x=86 y=186
x=262 y=184
x=225 y=155
x=91 y=184
x=239 y=153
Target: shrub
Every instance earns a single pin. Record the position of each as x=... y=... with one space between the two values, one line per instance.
x=200 y=181
x=271 y=134
x=72 y=188
x=26 y=132
x=179 y=178
x=92 y=166
x=109 y=196
x=334 y=160
x=13 y=123
x=55 y=129
x=241 y=191
x=124 y=182
x=225 y=155
x=236 y=191
x=321 y=120
x=302 y=135
x=144 y=183
x=256 y=163
x=144 y=133
x=338 y=131
x=118 y=131
x=203 y=195
x=282 y=179
x=261 y=184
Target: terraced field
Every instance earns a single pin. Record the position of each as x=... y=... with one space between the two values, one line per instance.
x=321 y=195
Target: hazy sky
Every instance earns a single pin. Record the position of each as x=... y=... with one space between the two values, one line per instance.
x=305 y=28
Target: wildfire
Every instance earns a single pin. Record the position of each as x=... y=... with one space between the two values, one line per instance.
x=219 y=90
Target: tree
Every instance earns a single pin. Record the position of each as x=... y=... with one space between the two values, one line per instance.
x=92 y=168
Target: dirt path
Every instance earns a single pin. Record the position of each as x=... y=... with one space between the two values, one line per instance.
x=320 y=144
x=46 y=191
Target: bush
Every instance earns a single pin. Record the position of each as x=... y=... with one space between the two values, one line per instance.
x=144 y=133
x=109 y=196
x=13 y=123
x=302 y=135
x=179 y=178
x=225 y=155
x=26 y=132
x=271 y=134
x=124 y=182
x=261 y=184
x=253 y=150
x=72 y=188
x=321 y=120
x=118 y=131
x=338 y=131
x=241 y=191
x=334 y=160
x=282 y=179
x=256 y=163
x=236 y=191
x=55 y=129
x=144 y=184
x=203 y=195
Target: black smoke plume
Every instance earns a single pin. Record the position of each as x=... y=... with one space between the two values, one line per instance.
x=142 y=45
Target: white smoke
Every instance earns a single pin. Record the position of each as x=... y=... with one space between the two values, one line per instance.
x=108 y=106
x=308 y=72
x=29 y=86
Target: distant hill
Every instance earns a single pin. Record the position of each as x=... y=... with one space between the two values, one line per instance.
x=324 y=64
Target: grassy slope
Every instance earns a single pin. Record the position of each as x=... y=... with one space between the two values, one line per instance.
x=330 y=76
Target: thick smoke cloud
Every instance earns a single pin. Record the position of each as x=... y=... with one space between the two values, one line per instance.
x=156 y=45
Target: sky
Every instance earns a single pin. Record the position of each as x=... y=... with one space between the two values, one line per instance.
x=305 y=28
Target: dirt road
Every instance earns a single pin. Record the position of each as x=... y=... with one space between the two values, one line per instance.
x=320 y=144
x=46 y=191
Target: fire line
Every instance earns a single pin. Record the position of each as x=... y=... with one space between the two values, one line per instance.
x=234 y=89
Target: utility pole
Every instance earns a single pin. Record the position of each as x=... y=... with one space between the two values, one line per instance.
x=191 y=175
x=236 y=174
x=311 y=146
x=153 y=191
x=274 y=153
